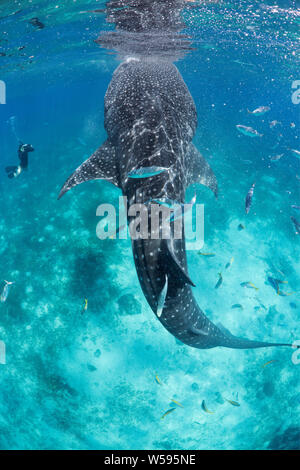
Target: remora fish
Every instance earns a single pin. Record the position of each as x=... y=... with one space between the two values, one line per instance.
x=146 y=172
x=178 y=209
x=296 y=152
x=5 y=291
x=248 y=131
x=249 y=198
x=296 y=225
x=37 y=23
x=151 y=119
x=260 y=111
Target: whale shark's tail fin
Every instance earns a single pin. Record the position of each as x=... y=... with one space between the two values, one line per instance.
x=231 y=341
x=199 y=171
x=101 y=165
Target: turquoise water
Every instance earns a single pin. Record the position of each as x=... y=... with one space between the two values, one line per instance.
x=76 y=379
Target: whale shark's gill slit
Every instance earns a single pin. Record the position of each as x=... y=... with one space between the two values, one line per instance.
x=197 y=331
x=162 y=299
x=101 y=165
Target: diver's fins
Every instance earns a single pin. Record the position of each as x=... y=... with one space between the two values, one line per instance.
x=199 y=171
x=176 y=268
x=101 y=165
x=11 y=171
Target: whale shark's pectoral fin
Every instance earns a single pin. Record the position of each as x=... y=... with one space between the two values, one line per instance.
x=199 y=171
x=197 y=331
x=101 y=165
x=175 y=267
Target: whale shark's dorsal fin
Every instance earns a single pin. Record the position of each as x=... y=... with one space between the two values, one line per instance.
x=101 y=165
x=199 y=171
x=176 y=268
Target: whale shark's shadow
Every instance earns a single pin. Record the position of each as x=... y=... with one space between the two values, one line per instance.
x=88 y=267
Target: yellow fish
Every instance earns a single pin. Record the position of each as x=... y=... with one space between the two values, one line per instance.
x=204 y=408
x=158 y=380
x=207 y=254
x=229 y=264
x=250 y=285
x=86 y=304
x=269 y=362
x=233 y=403
x=284 y=294
x=167 y=413
x=177 y=403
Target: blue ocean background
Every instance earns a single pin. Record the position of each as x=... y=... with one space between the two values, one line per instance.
x=75 y=380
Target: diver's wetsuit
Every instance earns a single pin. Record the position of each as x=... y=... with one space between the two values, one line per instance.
x=23 y=150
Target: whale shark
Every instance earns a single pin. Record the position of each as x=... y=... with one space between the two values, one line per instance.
x=150 y=120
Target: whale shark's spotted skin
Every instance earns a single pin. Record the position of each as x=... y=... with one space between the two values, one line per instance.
x=150 y=119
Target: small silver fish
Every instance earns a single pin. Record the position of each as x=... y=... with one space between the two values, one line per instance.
x=219 y=283
x=249 y=198
x=296 y=152
x=260 y=111
x=146 y=172
x=296 y=225
x=237 y=306
x=275 y=158
x=274 y=124
x=248 y=131
x=294 y=206
x=5 y=291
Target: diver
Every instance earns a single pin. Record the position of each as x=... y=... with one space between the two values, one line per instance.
x=23 y=150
